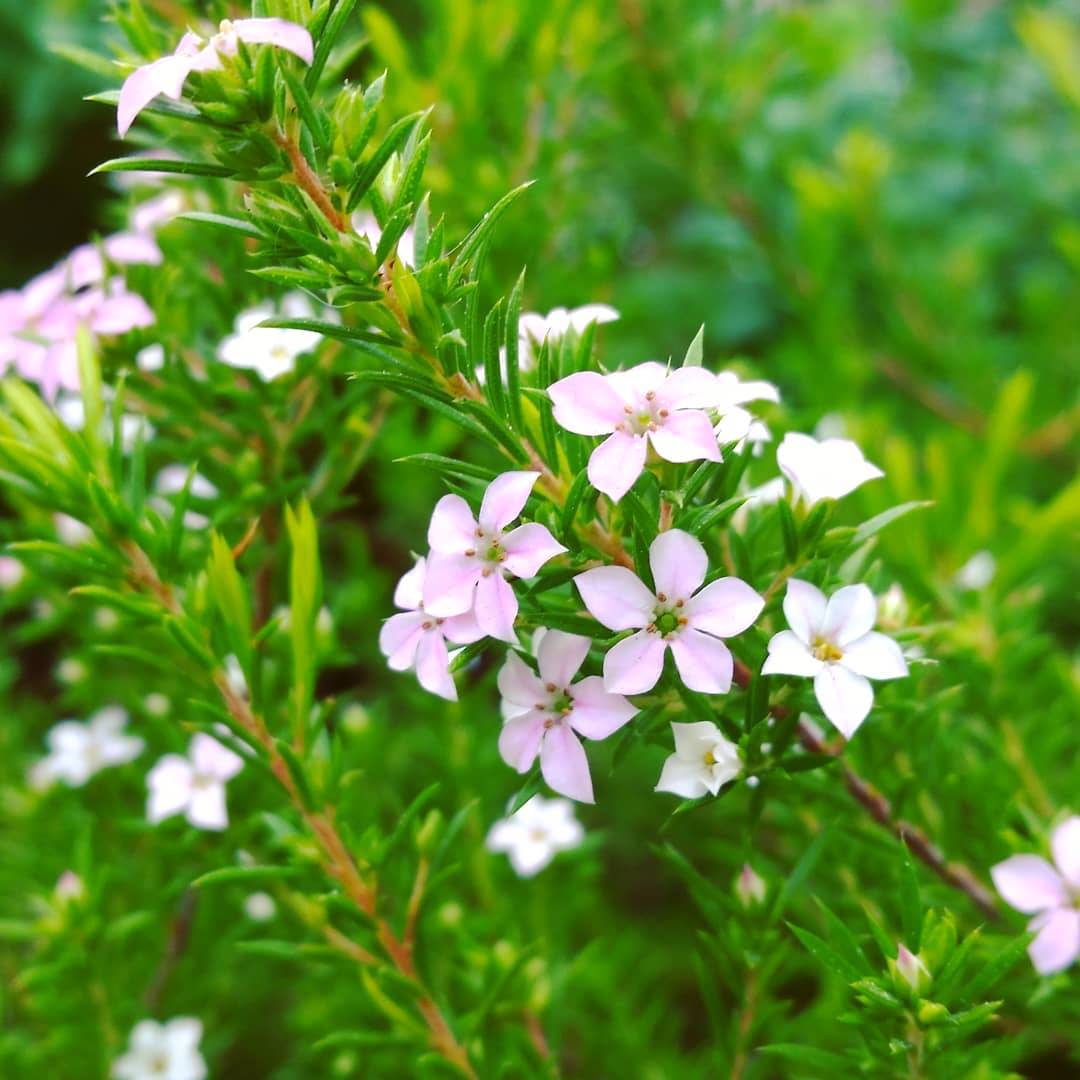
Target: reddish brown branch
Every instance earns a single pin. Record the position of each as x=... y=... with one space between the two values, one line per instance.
x=309 y=181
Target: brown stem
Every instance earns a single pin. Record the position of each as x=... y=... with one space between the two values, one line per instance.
x=746 y=1025
x=309 y=181
x=879 y=808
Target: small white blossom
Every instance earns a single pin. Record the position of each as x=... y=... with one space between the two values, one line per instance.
x=70 y=531
x=260 y=907
x=702 y=763
x=267 y=351
x=534 y=835
x=534 y=329
x=11 y=571
x=829 y=469
x=193 y=785
x=168 y=1051
x=156 y=704
x=977 y=572
x=150 y=358
x=78 y=751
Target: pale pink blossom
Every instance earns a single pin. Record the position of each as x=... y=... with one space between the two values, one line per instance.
x=1049 y=892
x=470 y=558
x=647 y=405
x=702 y=763
x=545 y=714
x=535 y=834
x=415 y=639
x=680 y=615
x=78 y=751
x=829 y=469
x=167 y=75
x=193 y=785
x=736 y=424
x=833 y=642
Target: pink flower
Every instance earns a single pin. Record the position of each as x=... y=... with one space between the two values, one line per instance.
x=646 y=405
x=544 y=713
x=834 y=643
x=168 y=75
x=415 y=639
x=469 y=559
x=194 y=785
x=1031 y=885
x=679 y=616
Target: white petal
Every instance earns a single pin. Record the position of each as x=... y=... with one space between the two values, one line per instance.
x=206 y=810
x=1058 y=943
x=849 y=614
x=170 y=783
x=804 y=609
x=724 y=608
x=1029 y=884
x=845 y=698
x=1065 y=844
x=876 y=657
x=684 y=778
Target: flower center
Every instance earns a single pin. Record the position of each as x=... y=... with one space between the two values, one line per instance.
x=826 y=650
x=710 y=758
x=647 y=416
x=200 y=782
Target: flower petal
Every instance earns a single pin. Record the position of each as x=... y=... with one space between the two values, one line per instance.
x=461 y=629
x=170 y=784
x=409 y=593
x=616 y=463
x=678 y=563
x=845 y=698
x=520 y=738
x=804 y=609
x=211 y=758
x=564 y=764
x=875 y=656
x=849 y=614
x=279 y=32
x=596 y=713
x=433 y=666
x=206 y=810
x=586 y=403
x=686 y=435
x=790 y=655
x=399 y=637
x=453 y=528
x=165 y=76
x=616 y=597
x=724 y=608
x=704 y=662
x=519 y=685
x=1065 y=844
x=1058 y=943
x=587 y=314
x=560 y=656
x=635 y=665
x=687 y=779
x=505 y=498
x=450 y=584
x=527 y=548
x=634 y=383
x=496 y=607
x=1029 y=884
x=691 y=388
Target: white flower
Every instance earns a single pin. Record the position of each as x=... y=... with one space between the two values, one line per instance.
x=267 y=351
x=70 y=531
x=365 y=225
x=194 y=785
x=260 y=907
x=150 y=358
x=534 y=329
x=168 y=1051
x=171 y=481
x=534 y=835
x=823 y=470
x=834 y=642
x=11 y=571
x=702 y=763
x=977 y=572
x=77 y=751
x=736 y=424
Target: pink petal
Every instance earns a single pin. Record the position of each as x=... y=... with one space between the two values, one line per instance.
x=586 y=403
x=504 y=499
x=724 y=608
x=409 y=593
x=279 y=32
x=849 y=614
x=527 y=548
x=399 y=637
x=461 y=629
x=564 y=764
x=692 y=388
x=686 y=436
x=587 y=314
x=1029 y=884
x=1058 y=943
x=804 y=609
x=678 y=563
x=519 y=685
x=596 y=713
x=496 y=607
x=616 y=463
x=207 y=808
x=453 y=527
x=133 y=248
x=704 y=662
x=1065 y=844
x=120 y=313
x=845 y=698
x=450 y=584
x=633 y=384
x=616 y=597
x=560 y=656
x=790 y=655
x=520 y=738
x=433 y=666
x=211 y=758
x=635 y=665
x=875 y=656
x=165 y=76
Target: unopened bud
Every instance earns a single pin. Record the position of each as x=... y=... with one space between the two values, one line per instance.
x=910 y=969
x=932 y=1012
x=749 y=887
x=70 y=886
x=428 y=833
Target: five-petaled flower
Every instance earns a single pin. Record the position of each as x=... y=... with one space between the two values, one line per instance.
x=680 y=615
x=829 y=469
x=646 y=405
x=535 y=834
x=1052 y=894
x=469 y=559
x=269 y=351
x=194 y=784
x=167 y=75
x=79 y=751
x=702 y=763
x=415 y=639
x=544 y=713
x=168 y=1051
x=833 y=641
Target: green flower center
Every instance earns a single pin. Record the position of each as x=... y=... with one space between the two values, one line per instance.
x=667 y=623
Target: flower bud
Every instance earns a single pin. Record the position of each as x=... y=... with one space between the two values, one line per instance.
x=893 y=608
x=749 y=887
x=69 y=887
x=909 y=971
x=932 y=1012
